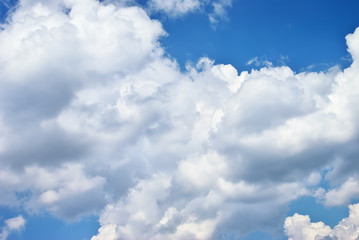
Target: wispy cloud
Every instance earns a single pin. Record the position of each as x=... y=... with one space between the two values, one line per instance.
x=219 y=12
x=175 y=8
x=178 y=8
x=12 y=224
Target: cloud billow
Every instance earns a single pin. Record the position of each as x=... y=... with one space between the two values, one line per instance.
x=98 y=120
x=299 y=227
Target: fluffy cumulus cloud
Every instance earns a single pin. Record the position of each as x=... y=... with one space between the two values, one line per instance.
x=96 y=119
x=300 y=227
x=51 y=61
x=12 y=224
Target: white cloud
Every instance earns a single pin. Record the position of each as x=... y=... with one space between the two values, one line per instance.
x=299 y=227
x=340 y=195
x=175 y=7
x=15 y=223
x=353 y=43
x=231 y=123
x=219 y=11
x=98 y=120
x=12 y=224
x=66 y=191
x=228 y=74
x=163 y=208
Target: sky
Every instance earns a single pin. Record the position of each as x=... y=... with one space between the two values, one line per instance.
x=179 y=119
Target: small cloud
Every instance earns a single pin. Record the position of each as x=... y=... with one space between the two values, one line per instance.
x=219 y=12
x=15 y=223
x=174 y=8
x=263 y=61
x=259 y=62
x=178 y=8
x=347 y=58
x=12 y=224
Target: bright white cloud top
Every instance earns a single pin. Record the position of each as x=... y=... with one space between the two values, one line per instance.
x=299 y=227
x=96 y=119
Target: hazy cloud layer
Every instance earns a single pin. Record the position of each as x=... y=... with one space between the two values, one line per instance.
x=95 y=119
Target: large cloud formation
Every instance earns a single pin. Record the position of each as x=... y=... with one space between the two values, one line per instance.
x=95 y=118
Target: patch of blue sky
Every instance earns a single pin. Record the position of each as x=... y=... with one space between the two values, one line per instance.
x=318 y=212
x=251 y=236
x=45 y=227
x=309 y=34
x=5 y=6
x=306 y=205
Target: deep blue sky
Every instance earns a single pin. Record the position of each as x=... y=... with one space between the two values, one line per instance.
x=307 y=32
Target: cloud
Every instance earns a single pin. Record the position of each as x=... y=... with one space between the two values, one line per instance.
x=259 y=62
x=175 y=7
x=299 y=227
x=219 y=11
x=166 y=208
x=12 y=224
x=96 y=119
x=65 y=191
x=306 y=120
x=341 y=195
